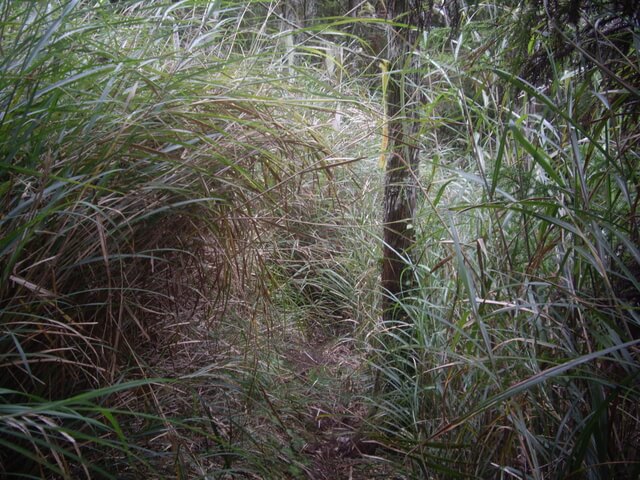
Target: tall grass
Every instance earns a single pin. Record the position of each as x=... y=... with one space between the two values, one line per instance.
x=140 y=142
x=519 y=356
x=172 y=176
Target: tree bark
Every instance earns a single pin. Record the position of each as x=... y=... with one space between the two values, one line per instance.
x=401 y=177
x=299 y=13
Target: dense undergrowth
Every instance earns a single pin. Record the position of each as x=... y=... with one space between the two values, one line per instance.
x=190 y=241
x=518 y=358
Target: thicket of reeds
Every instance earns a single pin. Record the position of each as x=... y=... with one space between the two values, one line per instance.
x=167 y=169
x=141 y=142
x=519 y=354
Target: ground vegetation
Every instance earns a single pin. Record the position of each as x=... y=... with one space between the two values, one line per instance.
x=193 y=239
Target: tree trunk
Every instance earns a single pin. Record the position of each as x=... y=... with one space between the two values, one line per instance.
x=296 y=15
x=299 y=13
x=352 y=9
x=402 y=160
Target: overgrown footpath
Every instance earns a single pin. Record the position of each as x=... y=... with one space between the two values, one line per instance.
x=148 y=150
x=280 y=402
x=190 y=244
x=272 y=381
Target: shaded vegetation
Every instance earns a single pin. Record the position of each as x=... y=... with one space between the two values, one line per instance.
x=191 y=241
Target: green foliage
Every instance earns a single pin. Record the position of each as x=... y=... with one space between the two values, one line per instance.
x=131 y=137
x=519 y=355
x=179 y=200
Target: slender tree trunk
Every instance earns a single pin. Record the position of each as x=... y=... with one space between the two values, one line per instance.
x=296 y=15
x=299 y=13
x=402 y=161
x=351 y=8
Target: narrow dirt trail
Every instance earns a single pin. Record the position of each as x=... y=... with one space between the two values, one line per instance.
x=334 y=413
x=280 y=403
x=271 y=378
